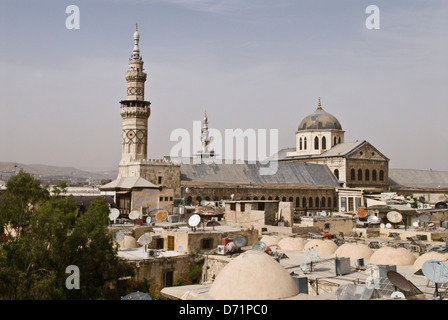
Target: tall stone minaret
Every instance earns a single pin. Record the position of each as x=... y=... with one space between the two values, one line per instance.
x=135 y=112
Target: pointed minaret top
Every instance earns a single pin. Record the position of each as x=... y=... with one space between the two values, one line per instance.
x=136 y=51
x=319 y=105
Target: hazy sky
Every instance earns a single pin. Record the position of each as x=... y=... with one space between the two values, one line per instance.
x=249 y=63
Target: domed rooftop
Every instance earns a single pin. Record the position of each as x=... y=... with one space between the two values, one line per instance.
x=320 y=120
x=294 y=244
x=324 y=246
x=253 y=275
x=395 y=256
x=354 y=251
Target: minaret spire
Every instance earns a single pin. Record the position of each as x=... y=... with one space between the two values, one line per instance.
x=319 y=105
x=136 y=51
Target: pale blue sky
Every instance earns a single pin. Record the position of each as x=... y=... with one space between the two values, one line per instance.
x=249 y=63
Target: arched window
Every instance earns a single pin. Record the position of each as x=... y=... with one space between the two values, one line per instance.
x=381 y=175
x=189 y=201
x=336 y=173
x=324 y=143
x=317 y=202
x=263 y=198
x=247 y=198
x=199 y=199
x=291 y=199
x=359 y=175
x=339 y=140
x=301 y=144
x=329 y=202
x=305 y=144
x=310 y=202
x=207 y=198
x=335 y=141
x=255 y=198
x=297 y=202
x=352 y=175
x=323 y=203
x=367 y=175
x=374 y=175
x=284 y=199
x=303 y=202
x=316 y=143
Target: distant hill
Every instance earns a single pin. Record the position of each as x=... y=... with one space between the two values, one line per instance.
x=52 y=174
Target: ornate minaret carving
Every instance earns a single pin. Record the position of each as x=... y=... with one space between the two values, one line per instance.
x=135 y=110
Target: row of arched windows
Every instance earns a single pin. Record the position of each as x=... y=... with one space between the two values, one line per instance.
x=303 y=143
x=303 y=202
x=365 y=175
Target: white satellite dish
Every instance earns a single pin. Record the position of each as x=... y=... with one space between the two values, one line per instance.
x=312 y=254
x=240 y=241
x=179 y=249
x=194 y=220
x=397 y=295
x=323 y=213
x=134 y=215
x=436 y=271
x=372 y=219
x=204 y=202
x=343 y=209
x=394 y=217
x=148 y=220
x=145 y=239
x=388 y=225
x=114 y=214
x=304 y=267
x=424 y=218
x=382 y=225
x=259 y=246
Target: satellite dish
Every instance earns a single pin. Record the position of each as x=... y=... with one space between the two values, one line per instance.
x=394 y=217
x=399 y=281
x=441 y=205
x=179 y=249
x=382 y=226
x=160 y=216
x=187 y=190
x=312 y=254
x=148 y=220
x=436 y=271
x=361 y=212
x=114 y=214
x=194 y=220
x=134 y=215
x=304 y=267
x=372 y=219
x=259 y=246
x=240 y=241
x=388 y=226
x=323 y=213
x=231 y=196
x=424 y=218
x=342 y=208
x=145 y=239
x=137 y=296
x=397 y=295
x=204 y=202
x=237 y=196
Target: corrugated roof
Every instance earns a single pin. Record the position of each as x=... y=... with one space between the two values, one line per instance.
x=338 y=150
x=128 y=183
x=418 y=178
x=250 y=173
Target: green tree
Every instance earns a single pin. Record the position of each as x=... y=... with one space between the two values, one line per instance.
x=33 y=263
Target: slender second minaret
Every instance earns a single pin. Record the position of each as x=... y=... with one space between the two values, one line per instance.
x=135 y=112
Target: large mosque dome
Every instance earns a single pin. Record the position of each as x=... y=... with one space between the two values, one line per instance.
x=320 y=120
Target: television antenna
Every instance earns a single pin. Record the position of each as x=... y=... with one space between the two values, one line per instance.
x=114 y=214
x=437 y=272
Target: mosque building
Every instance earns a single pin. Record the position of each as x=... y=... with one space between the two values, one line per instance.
x=310 y=176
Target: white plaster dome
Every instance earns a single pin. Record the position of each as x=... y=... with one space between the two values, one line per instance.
x=128 y=242
x=253 y=275
x=271 y=240
x=292 y=244
x=324 y=246
x=432 y=255
x=354 y=251
x=393 y=256
x=320 y=120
